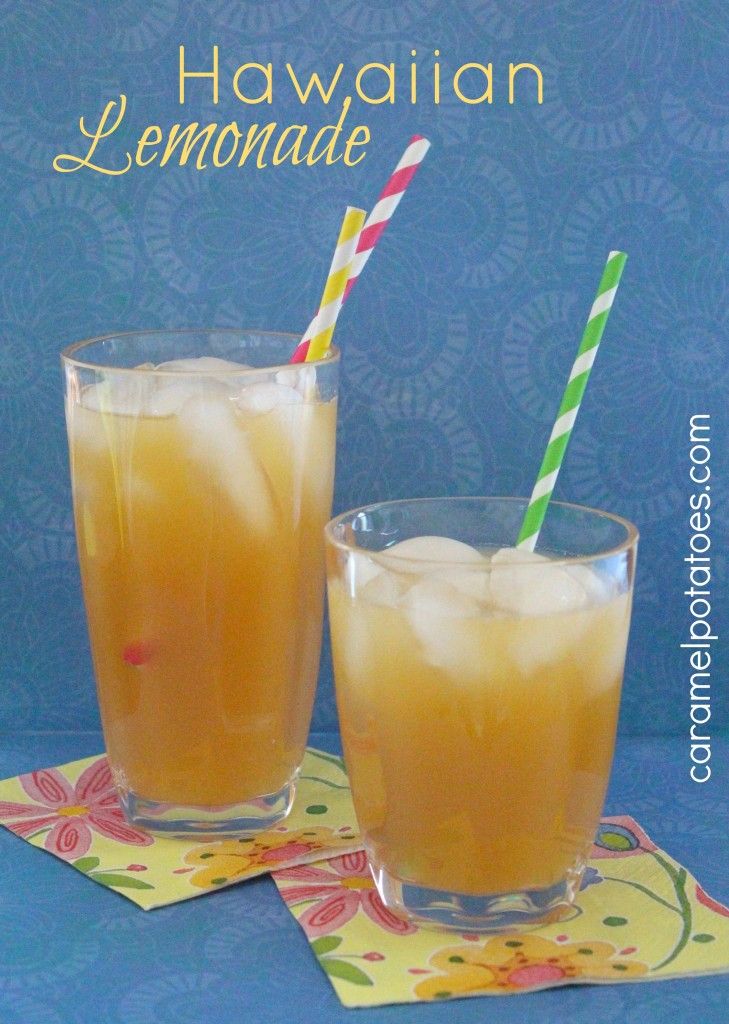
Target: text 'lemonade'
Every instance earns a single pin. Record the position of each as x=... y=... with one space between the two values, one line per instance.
x=478 y=696
x=199 y=499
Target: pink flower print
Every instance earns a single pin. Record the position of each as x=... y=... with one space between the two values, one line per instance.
x=287 y=852
x=70 y=813
x=339 y=891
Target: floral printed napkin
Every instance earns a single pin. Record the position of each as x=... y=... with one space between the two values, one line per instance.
x=73 y=812
x=639 y=916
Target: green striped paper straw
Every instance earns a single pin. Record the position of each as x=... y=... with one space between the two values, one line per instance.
x=579 y=374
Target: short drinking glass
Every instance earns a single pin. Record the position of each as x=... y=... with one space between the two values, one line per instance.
x=478 y=689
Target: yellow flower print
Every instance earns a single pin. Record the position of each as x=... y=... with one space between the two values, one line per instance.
x=230 y=860
x=272 y=850
x=509 y=963
x=221 y=862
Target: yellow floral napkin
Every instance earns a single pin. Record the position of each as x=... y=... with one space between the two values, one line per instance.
x=73 y=812
x=639 y=916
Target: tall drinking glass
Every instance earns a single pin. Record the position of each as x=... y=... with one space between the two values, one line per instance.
x=478 y=689
x=202 y=469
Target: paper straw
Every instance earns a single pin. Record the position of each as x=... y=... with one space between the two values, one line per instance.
x=378 y=219
x=321 y=328
x=579 y=374
x=387 y=203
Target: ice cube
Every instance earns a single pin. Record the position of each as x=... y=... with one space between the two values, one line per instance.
x=516 y=556
x=222 y=371
x=367 y=581
x=526 y=583
x=597 y=588
x=534 y=642
x=436 y=600
x=429 y=554
x=604 y=646
x=446 y=623
x=385 y=588
x=263 y=397
x=123 y=394
x=216 y=440
x=471 y=581
x=303 y=378
x=169 y=396
x=149 y=394
x=203 y=364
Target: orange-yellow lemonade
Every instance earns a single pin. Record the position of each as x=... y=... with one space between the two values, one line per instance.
x=478 y=698
x=199 y=503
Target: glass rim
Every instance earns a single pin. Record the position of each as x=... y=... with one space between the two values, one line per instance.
x=68 y=354
x=631 y=531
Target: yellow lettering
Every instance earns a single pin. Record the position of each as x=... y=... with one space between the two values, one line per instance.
x=267 y=94
x=231 y=128
x=76 y=162
x=352 y=141
x=513 y=68
x=279 y=157
x=189 y=140
x=389 y=70
x=199 y=74
x=314 y=80
x=335 y=131
x=253 y=137
x=487 y=94
x=145 y=140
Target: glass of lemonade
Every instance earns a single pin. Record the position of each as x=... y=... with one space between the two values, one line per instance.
x=202 y=468
x=478 y=689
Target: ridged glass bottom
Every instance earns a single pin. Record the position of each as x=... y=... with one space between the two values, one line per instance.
x=509 y=911
x=242 y=819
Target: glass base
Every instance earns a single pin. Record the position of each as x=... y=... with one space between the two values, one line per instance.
x=463 y=912
x=247 y=818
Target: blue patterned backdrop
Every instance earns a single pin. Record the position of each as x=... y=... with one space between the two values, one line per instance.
x=459 y=336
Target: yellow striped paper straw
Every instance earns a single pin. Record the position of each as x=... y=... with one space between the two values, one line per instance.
x=321 y=329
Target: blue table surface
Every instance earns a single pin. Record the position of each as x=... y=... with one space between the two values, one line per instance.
x=74 y=953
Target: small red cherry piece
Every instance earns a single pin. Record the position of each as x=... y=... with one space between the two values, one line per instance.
x=138 y=653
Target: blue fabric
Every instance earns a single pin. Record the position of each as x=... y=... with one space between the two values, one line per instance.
x=74 y=953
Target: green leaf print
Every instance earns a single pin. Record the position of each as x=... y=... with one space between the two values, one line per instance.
x=86 y=864
x=347 y=972
x=678 y=877
x=120 y=881
x=326 y=944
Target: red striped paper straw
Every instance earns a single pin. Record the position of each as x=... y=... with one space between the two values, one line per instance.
x=378 y=220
